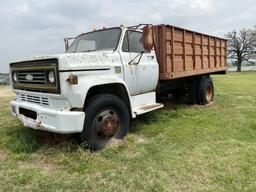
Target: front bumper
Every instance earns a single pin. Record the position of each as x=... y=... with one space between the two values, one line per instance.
x=47 y=119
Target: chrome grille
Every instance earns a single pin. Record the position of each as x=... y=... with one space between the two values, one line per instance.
x=33 y=76
x=38 y=77
x=35 y=99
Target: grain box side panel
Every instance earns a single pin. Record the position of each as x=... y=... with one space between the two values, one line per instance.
x=185 y=53
x=169 y=50
x=198 y=52
x=178 y=50
x=212 y=52
x=223 y=53
x=205 y=52
x=189 y=52
x=160 y=39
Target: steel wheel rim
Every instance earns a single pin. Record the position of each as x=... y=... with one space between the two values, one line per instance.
x=209 y=93
x=106 y=125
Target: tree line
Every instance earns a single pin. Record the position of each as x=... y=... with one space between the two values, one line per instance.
x=242 y=46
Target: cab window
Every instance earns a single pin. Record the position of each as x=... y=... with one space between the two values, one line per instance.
x=133 y=42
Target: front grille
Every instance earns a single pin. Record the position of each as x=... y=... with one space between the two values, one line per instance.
x=39 y=77
x=33 y=76
x=35 y=99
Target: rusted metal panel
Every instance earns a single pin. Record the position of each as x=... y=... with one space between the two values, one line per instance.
x=182 y=53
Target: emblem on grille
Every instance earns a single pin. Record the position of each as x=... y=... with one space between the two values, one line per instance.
x=29 y=77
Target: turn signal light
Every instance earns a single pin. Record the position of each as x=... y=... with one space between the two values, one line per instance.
x=73 y=79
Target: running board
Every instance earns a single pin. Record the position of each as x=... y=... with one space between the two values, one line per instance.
x=148 y=108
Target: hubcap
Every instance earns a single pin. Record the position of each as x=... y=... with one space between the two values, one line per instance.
x=106 y=124
x=209 y=93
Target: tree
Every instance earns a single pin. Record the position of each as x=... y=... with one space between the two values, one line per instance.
x=242 y=46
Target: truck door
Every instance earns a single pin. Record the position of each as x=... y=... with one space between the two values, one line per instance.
x=140 y=68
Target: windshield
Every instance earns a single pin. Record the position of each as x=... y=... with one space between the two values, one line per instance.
x=96 y=41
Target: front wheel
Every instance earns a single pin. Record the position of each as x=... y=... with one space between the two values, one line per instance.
x=106 y=120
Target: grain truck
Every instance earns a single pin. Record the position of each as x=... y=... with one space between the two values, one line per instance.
x=107 y=77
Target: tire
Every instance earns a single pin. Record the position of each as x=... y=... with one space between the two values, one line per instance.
x=192 y=91
x=106 y=119
x=205 y=92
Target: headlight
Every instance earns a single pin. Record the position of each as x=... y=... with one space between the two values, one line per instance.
x=51 y=77
x=15 y=77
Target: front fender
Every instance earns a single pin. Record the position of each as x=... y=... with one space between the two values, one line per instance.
x=76 y=94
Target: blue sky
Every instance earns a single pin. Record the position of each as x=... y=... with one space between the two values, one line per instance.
x=36 y=27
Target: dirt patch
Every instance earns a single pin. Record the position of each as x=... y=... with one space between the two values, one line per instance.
x=48 y=167
x=2 y=156
x=6 y=91
x=40 y=161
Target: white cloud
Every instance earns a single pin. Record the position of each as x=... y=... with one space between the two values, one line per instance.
x=188 y=7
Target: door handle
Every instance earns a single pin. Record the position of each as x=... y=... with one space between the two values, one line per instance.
x=151 y=57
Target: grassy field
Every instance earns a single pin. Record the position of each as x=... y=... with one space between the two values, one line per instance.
x=178 y=148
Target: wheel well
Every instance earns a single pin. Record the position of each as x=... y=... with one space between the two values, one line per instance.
x=116 y=89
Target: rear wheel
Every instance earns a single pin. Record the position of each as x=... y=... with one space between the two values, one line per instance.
x=107 y=119
x=193 y=90
x=205 y=92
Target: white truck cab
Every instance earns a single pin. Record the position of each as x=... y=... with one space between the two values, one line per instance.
x=105 y=78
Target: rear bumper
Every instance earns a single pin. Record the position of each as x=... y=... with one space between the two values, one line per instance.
x=47 y=119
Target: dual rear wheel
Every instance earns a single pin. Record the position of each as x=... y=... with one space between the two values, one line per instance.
x=201 y=90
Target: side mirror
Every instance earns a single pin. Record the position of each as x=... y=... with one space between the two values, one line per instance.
x=148 y=38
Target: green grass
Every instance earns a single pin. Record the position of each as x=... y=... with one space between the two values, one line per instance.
x=178 y=148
